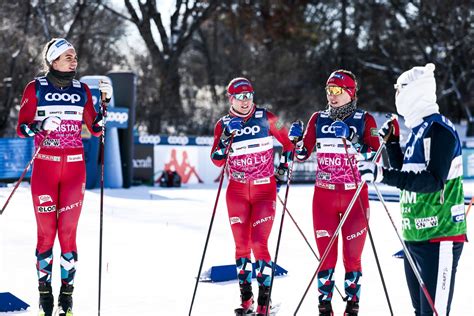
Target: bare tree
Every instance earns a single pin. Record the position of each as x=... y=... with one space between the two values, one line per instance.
x=28 y=25
x=165 y=53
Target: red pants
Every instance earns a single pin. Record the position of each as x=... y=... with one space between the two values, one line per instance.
x=57 y=187
x=251 y=209
x=328 y=208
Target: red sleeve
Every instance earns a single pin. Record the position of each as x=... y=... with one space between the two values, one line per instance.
x=371 y=136
x=89 y=112
x=28 y=107
x=279 y=131
x=309 y=137
x=217 y=136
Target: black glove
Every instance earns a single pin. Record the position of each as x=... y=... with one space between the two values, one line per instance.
x=390 y=131
x=98 y=122
x=280 y=175
x=30 y=130
x=281 y=170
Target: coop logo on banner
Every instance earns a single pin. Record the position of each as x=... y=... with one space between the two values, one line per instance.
x=178 y=140
x=120 y=117
x=117 y=117
x=200 y=140
x=149 y=139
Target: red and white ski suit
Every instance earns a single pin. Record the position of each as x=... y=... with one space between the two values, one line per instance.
x=335 y=186
x=251 y=192
x=58 y=176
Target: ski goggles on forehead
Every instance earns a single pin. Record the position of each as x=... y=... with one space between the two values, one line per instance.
x=334 y=90
x=243 y=96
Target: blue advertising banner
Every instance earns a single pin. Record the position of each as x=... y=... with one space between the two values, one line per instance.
x=468 y=162
x=174 y=140
x=116 y=117
x=15 y=153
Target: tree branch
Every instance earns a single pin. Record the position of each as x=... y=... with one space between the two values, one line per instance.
x=156 y=16
x=120 y=15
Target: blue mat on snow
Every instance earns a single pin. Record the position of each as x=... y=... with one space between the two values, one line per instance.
x=229 y=273
x=11 y=303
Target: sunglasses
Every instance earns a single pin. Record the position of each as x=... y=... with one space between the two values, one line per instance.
x=243 y=96
x=334 y=90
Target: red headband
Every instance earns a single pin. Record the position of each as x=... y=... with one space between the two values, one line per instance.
x=239 y=85
x=343 y=80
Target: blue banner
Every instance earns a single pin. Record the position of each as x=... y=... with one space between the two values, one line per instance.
x=15 y=153
x=116 y=117
x=174 y=140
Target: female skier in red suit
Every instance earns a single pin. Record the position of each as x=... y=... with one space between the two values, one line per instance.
x=52 y=110
x=251 y=193
x=336 y=183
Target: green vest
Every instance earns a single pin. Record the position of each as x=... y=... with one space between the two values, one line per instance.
x=439 y=214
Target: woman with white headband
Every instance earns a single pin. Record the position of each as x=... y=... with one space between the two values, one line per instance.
x=52 y=110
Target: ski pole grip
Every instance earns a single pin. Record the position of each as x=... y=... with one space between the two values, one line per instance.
x=103 y=95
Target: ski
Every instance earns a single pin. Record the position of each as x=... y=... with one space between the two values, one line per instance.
x=241 y=312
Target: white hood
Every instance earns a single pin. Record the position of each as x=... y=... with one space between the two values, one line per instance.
x=417 y=94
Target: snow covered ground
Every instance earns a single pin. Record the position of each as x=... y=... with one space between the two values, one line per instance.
x=153 y=245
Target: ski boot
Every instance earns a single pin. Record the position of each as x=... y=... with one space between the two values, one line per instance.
x=325 y=308
x=246 y=297
x=65 y=300
x=352 y=308
x=263 y=297
x=46 y=300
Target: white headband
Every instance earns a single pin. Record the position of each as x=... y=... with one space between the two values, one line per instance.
x=58 y=47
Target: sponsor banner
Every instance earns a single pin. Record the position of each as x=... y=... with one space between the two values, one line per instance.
x=116 y=117
x=468 y=162
x=174 y=140
x=192 y=163
x=143 y=163
x=15 y=153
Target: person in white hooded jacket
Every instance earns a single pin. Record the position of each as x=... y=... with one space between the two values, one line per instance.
x=430 y=176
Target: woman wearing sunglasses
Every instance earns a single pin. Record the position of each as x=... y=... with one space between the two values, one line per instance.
x=337 y=179
x=252 y=188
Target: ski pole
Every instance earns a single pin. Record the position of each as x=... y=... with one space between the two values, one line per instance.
x=221 y=180
x=288 y=181
x=23 y=174
x=304 y=237
x=336 y=233
x=469 y=207
x=368 y=229
x=102 y=160
x=410 y=259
